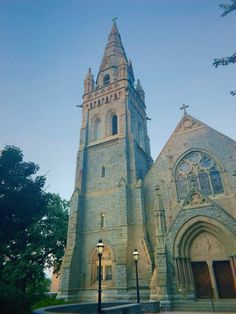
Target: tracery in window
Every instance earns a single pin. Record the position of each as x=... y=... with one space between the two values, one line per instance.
x=192 y=181
x=198 y=171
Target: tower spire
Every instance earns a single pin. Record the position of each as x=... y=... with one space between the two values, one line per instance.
x=114 y=50
x=113 y=57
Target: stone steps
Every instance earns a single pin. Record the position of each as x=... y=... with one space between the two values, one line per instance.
x=205 y=306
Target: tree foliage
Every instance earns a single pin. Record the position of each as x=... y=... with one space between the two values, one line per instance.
x=33 y=223
x=225 y=60
x=229 y=7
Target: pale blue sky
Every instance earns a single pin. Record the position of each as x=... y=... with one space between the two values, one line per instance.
x=48 y=45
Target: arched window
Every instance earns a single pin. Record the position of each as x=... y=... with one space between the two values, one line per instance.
x=102 y=221
x=106 y=79
x=97 y=129
x=114 y=126
x=103 y=171
x=198 y=171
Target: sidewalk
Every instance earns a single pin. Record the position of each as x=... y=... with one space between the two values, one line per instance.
x=187 y=312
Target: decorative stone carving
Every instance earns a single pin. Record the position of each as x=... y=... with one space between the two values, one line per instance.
x=195 y=199
x=206 y=245
x=187 y=124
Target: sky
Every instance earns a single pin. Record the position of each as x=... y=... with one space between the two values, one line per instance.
x=47 y=47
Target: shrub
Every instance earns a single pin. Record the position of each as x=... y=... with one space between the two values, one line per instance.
x=47 y=301
x=13 y=301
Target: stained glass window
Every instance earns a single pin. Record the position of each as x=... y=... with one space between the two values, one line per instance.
x=206 y=162
x=204 y=182
x=192 y=181
x=198 y=171
x=182 y=187
x=216 y=181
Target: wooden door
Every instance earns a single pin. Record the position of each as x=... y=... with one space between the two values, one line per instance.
x=224 y=279
x=202 y=280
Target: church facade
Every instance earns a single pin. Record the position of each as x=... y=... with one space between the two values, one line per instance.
x=178 y=212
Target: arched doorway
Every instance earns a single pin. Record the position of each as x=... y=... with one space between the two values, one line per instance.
x=204 y=259
x=211 y=267
x=107 y=267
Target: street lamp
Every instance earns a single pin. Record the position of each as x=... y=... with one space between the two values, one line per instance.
x=100 y=247
x=136 y=255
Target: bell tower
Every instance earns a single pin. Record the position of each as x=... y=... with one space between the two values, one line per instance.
x=107 y=202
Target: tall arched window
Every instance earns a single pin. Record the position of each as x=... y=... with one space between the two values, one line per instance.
x=97 y=129
x=197 y=170
x=114 y=126
x=102 y=221
x=106 y=79
x=103 y=171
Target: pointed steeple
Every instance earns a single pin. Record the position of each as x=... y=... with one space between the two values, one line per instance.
x=114 y=56
x=114 y=50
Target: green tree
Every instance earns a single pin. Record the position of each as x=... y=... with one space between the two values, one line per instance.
x=33 y=223
x=231 y=59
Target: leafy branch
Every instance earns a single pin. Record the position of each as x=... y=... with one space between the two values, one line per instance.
x=232 y=59
x=228 y=7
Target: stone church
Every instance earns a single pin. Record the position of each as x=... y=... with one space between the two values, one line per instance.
x=178 y=212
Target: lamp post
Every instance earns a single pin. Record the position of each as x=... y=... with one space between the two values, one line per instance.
x=136 y=255
x=100 y=247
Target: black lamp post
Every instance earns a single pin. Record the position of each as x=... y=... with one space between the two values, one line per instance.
x=136 y=255
x=100 y=247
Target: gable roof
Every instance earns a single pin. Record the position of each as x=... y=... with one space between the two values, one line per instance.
x=188 y=124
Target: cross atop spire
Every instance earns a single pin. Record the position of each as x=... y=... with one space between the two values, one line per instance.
x=114 y=19
x=184 y=107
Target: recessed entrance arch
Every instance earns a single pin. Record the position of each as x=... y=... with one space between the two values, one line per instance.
x=203 y=250
x=108 y=267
